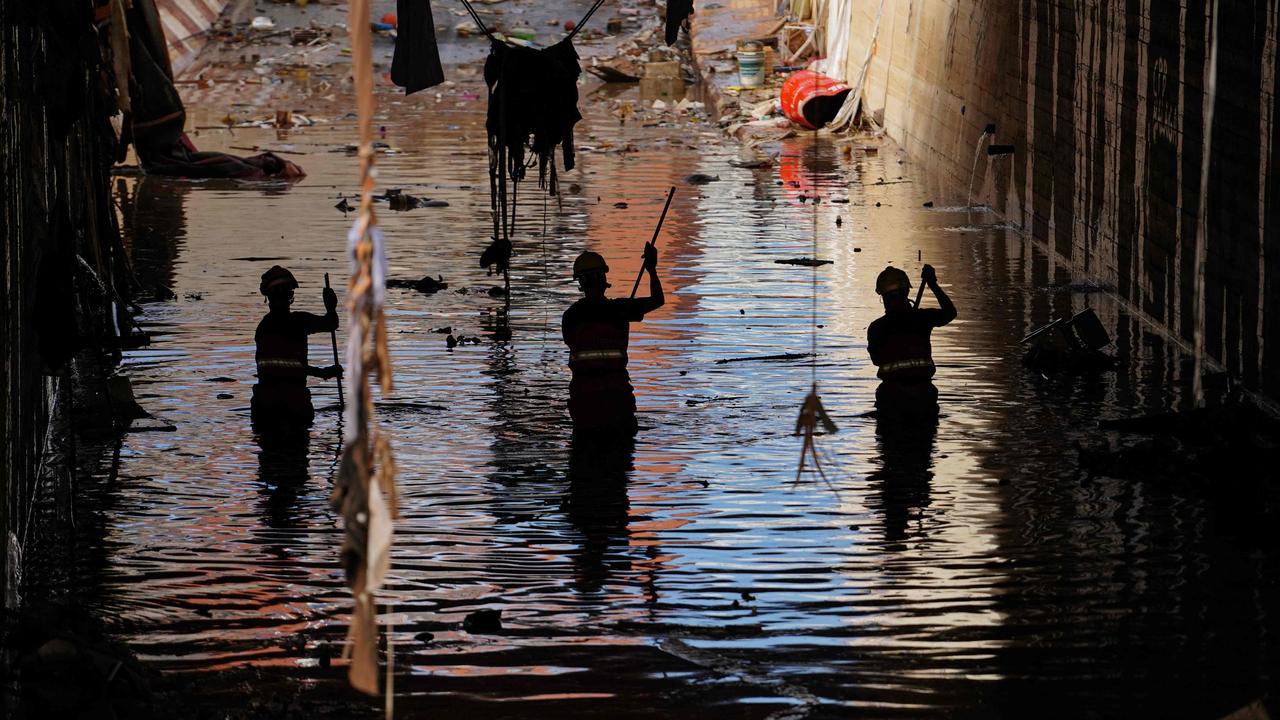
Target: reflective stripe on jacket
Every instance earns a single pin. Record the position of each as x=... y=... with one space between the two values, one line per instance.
x=898 y=366
x=585 y=355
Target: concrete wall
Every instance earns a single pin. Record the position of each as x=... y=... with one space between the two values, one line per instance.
x=1109 y=107
x=61 y=261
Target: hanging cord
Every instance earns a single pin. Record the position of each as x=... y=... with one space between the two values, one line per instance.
x=812 y=414
x=813 y=286
x=546 y=289
x=365 y=491
x=583 y=21
x=479 y=23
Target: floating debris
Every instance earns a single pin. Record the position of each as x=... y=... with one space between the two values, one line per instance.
x=765 y=358
x=806 y=262
x=427 y=284
x=701 y=179
x=483 y=621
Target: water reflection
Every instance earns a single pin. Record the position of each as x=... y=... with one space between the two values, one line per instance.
x=154 y=226
x=284 y=471
x=900 y=487
x=598 y=507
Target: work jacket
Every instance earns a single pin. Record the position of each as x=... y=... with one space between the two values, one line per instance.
x=597 y=332
x=899 y=344
x=281 y=341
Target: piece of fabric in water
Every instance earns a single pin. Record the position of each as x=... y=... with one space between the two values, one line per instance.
x=416 y=63
x=158 y=116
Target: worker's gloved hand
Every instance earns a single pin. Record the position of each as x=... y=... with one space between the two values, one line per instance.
x=928 y=275
x=328 y=373
x=330 y=299
x=650 y=257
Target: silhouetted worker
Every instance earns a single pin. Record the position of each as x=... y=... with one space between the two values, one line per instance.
x=281 y=397
x=899 y=345
x=596 y=329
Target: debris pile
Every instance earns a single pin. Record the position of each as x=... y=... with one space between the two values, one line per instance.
x=1069 y=345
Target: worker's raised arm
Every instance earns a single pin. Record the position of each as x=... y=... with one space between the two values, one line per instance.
x=327 y=322
x=656 y=298
x=946 y=307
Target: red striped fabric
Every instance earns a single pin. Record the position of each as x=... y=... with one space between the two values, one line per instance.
x=186 y=23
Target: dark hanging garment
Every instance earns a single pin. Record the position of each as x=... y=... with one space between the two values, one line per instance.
x=677 y=12
x=416 y=64
x=158 y=115
x=533 y=106
x=533 y=98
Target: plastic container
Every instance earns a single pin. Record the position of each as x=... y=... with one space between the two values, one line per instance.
x=750 y=65
x=811 y=99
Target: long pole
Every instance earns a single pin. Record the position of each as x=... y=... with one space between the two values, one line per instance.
x=670 y=194
x=920 y=291
x=333 y=342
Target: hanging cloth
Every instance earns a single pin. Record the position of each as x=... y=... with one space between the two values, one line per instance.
x=416 y=63
x=533 y=106
x=533 y=100
x=677 y=12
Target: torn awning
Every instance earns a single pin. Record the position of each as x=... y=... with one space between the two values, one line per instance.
x=186 y=24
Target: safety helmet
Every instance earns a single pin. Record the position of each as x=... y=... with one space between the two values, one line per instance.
x=275 y=278
x=891 y=279
x=589 y=262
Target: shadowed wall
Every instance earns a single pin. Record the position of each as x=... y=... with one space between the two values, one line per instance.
x=1110 y=107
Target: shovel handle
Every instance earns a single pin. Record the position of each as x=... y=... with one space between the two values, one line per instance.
x=333 y=342
x=670 y=194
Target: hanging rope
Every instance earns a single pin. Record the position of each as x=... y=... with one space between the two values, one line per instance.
x=365 y=491
x=812 y=413
x=585 y=18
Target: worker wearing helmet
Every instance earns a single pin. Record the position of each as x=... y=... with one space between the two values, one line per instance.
x=899 y=343
x=281 y=397
x=596 y=329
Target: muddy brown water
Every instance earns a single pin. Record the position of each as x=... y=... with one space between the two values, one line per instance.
x=971 y=572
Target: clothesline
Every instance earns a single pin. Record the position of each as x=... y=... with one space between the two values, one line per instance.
x=475 y=16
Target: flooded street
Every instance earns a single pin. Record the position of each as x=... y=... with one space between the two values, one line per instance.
x=973 y=571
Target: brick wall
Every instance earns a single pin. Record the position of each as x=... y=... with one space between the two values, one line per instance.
x=1109 y=108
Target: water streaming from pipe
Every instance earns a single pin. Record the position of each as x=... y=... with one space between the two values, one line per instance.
x=977 y=153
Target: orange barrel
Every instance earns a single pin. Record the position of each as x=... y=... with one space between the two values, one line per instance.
x=811 y=99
